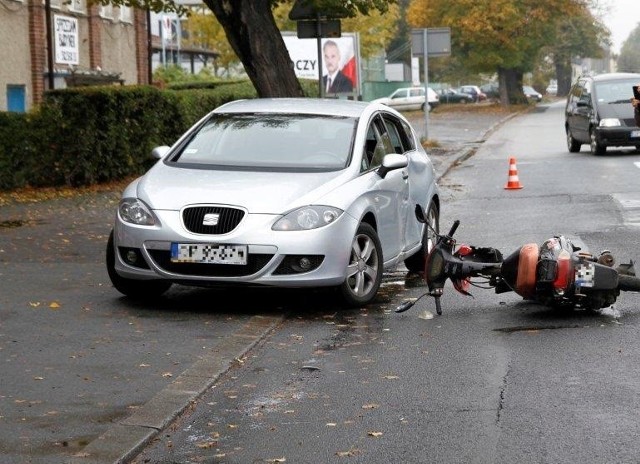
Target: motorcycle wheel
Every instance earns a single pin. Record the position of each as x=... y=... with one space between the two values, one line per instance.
x=416 y=262
x=364 y=271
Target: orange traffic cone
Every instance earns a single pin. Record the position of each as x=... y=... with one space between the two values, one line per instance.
x=513 y=183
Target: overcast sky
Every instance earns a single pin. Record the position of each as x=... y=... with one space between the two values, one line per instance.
x=622 y=18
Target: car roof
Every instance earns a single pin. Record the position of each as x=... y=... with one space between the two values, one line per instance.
x=333 y=107
x=614 y=76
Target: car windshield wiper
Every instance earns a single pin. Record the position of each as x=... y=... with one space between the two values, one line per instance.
x=620 y=101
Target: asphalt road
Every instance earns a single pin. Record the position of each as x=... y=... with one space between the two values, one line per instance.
x=495 y=379
x=90 y=376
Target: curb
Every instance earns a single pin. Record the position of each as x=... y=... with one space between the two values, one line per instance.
x=126 y=439
x=465 y=153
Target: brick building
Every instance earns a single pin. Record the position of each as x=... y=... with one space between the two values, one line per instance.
x=92 y=45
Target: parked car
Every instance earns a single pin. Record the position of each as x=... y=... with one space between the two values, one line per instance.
x=552 y=89
x=453 y=96
x=598 y=112
x=474 y=90
x=491 y=90
x=410 y=98
x=278 y=192
x=531 y=93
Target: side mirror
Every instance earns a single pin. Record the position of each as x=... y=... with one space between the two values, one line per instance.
x=159 y=152
x=392 y=162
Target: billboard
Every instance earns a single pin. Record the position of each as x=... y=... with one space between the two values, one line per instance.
x=339 y=61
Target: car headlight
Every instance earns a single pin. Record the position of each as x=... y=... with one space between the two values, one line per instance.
x=307 y=218
x=610 y=122
x=134 y=211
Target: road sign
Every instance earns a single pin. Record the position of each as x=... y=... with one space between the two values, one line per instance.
x=319 y=29
x=438 y=41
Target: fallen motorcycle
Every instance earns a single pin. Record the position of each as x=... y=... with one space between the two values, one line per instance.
x=556 y=273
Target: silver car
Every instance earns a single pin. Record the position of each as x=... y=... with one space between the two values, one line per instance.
x=278 y=192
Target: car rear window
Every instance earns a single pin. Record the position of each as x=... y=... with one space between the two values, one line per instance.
x=272 y=141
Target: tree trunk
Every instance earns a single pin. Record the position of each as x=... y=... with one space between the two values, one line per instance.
x=563 y=74
x=256 y=40
x=510 y=81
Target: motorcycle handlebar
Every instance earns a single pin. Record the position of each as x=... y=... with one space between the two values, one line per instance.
x=629 y=283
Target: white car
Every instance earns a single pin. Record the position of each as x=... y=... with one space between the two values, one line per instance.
x=410 y=98
x=279 y=192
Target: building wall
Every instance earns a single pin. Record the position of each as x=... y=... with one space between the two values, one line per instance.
x=110 y=41
x=15 y=59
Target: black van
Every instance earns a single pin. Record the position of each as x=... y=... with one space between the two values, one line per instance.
x=599 y=112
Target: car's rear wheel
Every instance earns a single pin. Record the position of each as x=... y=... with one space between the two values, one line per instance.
x=130 y=287
x=416 y=262
x=364 y=271
x=572 y=144
x=596 y=148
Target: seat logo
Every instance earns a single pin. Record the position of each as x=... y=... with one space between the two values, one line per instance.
x=211 y=219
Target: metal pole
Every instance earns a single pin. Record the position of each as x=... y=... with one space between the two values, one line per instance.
x=426 y=84
x=149 y=49
x=47 y=12
x=321 y=92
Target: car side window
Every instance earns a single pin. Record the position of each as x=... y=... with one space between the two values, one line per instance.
x=397 y=135
x=376 y=146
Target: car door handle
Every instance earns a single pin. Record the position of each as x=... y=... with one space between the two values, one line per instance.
x=405 y=175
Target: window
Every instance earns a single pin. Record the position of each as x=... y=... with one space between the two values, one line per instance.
x=16 y=96
x=79 y=6
x=106 y=11
x=126 y=14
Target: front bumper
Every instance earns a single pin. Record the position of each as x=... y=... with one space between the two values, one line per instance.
x=144 y=253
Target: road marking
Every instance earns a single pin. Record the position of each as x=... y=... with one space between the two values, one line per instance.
x=637 y=163
x=630 y=206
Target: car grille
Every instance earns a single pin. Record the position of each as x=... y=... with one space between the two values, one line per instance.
x=255 y=262
x=229 y=218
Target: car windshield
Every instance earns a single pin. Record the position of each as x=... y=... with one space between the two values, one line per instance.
x=270 y=141
x=615 y=92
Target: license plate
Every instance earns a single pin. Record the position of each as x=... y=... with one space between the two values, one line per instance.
x=208 y=253
x=635 y=134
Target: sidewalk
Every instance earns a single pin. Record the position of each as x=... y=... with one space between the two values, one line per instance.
x=456 y=132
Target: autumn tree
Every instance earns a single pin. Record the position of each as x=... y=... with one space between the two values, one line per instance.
x=204 y=31
x=580 y=34
x=500 y=36
x=629 y=59
x=251 y=30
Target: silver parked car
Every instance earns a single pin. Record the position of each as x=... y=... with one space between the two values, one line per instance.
x=278 y=192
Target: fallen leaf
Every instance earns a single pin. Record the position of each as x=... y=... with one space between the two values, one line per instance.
x=276 y=460
x=391 y=377
x=370 y=406
x=167 y=374
x=54 y=305
x=35 y=304
x=38 y=378
x=374 y=434
x=206 y=444
x=331 y=424
x=144 y=365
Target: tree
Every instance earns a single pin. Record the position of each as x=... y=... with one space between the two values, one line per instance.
x=204 y=31
x=252 y=33
x=629 y=59
x=496 y=36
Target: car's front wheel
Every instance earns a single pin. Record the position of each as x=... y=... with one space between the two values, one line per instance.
x=596 y=147
x=572 y=144
x=364 y=271
x=416 y=262
x=130 y=287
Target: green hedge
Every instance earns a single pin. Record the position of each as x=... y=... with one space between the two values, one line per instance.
x=90 y=135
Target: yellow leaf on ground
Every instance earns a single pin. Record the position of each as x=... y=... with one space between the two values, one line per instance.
x=374 y=434
x=54 y=305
